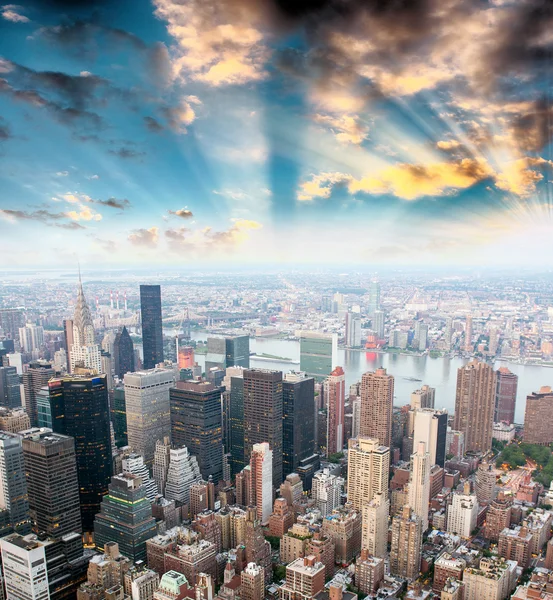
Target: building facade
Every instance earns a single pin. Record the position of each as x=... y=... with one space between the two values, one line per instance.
x=152 y=331
x=377 y=399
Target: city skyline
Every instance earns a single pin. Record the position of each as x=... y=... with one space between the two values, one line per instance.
x=181 y=144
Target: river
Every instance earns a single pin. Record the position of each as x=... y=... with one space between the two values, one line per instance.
x=440 y=373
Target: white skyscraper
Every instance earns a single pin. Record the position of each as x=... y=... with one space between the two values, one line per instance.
x=148 y=409
x=463 y=513
x=84 y=351
x=134 y=463
x=375 y=526
x=31 y=337
x=182 y=474
x=368 y=470
x=24 y=567
x=419 y=484
x=378 y=321
x=162 y=458
x=353 y=330
x=261 y=465
x=430 y=427
x=326 y=490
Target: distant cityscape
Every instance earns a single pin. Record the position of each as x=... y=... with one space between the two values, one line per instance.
x=144 y=455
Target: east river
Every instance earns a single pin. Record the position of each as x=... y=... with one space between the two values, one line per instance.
x=440 y=373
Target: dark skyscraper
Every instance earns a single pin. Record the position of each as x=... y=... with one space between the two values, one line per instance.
x=505 y=395
x=35 y=377
x=263 y=415
x=80 y=408
x=123 y=353
x=10 y=392
x=236 y=446
x=14 y=501
x=152 y=333
x=196 y=422
x=119 y=417
x=228 y=352
x=298 y=426
x=51 y=467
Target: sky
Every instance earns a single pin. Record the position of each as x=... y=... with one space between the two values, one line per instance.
x=188 y=132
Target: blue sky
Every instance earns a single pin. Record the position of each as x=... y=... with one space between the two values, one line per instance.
x=191 y=131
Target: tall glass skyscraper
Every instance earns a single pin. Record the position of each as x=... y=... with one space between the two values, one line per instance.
x=236 y=418
x=152 y=333
x=123 y=353
x=80 y=408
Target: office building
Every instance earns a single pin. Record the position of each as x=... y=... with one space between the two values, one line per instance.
x=431 y=428
x=24 y=568
x=31 y=337
x=375 y=526
x=224 y=352
x=419 y=484
x=263 y=415
x=463 y=513
x=493 y=579
x=36 y=376
x=538 y=417
x=377 y=400
x=119 y=417
x=84 y=352
x=505 y=395
x=305 y=578
x=374 y=298
x=368 y=470
x=123 y=354
x=68 y=340
x=196 y=422
x=369 y=572
x=10 y=390
x=335 y=397
x=152 y=331
x=353 y=330
x=378 y=321
x=53 y=486
x=13 y=420
x=261 y=465
x=162 y=457
x=318 y=353
x=147 y=409
x=133 y=463
x=326 y=491
x=298 y=425
x=80 y=409
x=405 y=553
x=252 y=582
x=468 y=334
x=182 y=473
x=125 y=517
x=475 y=404
x=14 y=499
x=236 y=424
x=423 y=398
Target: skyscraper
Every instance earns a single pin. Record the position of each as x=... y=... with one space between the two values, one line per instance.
x=51 y=466
x=474 y=405
x=424 y=397
x=125 y=517
x=375 y=525
x=335 y=397
x=10 y=390
x=148 y=409
x=377 y=400
x=505 y=395
x=236 y=424
x=224 y=352
x=353 y=330
x=431 y=428
x=538 y=417
x=84 y=352
x=80 y=409
x=378 y=321
x=14 y=500
x=197 y=424
x=182 y=473
x=405 y=553
x=11 y=319
x=152 y=332
x=261 y=494
x=463 y=513
x=448 y=333
x=374 y=297
x=368 y=470
x=123 y=353
x=298 y=426
x=419 y=483
x=326 y=491
x=318 y=353
x=24 y=568
x=31 y=337
x=263 y=415
x=36 y=376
